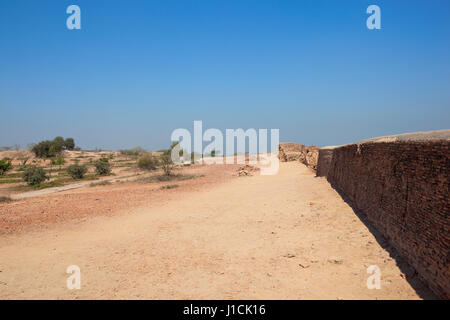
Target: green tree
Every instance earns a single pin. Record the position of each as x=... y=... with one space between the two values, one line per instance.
x=50 y=149
x=58 y=144
x=5 y=165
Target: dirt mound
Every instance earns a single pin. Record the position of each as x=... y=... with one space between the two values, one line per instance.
x=247 y=170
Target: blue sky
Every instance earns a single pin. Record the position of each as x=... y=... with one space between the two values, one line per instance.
x=139 y=69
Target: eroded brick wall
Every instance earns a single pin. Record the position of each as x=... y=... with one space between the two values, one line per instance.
x=403 y=189
x=324 y=161
x=289 y=151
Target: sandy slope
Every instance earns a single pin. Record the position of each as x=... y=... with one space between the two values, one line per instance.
x=262 y=237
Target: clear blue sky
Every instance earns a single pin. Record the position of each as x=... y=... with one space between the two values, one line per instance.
x=139 y=69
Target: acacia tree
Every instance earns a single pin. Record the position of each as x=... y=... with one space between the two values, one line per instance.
x=69 y=144
x=167 y=164
x=166 y=160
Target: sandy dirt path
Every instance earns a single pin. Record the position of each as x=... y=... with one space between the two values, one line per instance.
x=287 y=236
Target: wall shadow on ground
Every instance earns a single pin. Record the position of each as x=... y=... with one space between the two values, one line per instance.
x=410 y=273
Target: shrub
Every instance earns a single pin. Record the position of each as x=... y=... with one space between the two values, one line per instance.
x=58 y=161
x=214 y=153
x=167 y=164
x=102 y=167
x=76 y=171
x=100 y=183
x=5 y=165
x=34 y=175
x=147 y=162
x=136 y=151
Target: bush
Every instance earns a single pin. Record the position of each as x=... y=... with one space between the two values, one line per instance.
x=5 y=165
x=100 y=183
x=147 y=162
x=34 y=175
x=167 y=164
x=137 y=151
x=214 y=153
x=102 y=167
x=76 y=171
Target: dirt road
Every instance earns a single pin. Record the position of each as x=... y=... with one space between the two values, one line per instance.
x=287 y=236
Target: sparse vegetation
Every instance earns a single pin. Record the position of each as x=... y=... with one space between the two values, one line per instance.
x=164 y=177
x=167 y=164
x=58 y=161
x=34 y=175
x=5 y=165
x=10 y=181
x=102 y=167
x=166 y=160
x=76 y=171
x=170 y=186
x=100 y=183
x=147 y=162
x=134 y=152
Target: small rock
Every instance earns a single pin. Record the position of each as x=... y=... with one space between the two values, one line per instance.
x=304 y=265
x=335 y=260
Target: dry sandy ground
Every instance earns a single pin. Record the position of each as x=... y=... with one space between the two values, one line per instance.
x=287 y=236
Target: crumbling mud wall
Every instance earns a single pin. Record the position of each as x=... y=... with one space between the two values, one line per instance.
x=402 y=185
x=289 y=151
x=309 y=157
x=324 y=160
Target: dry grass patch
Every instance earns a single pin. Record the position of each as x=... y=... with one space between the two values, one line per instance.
x=170 y=186
x=164 y=177
x=100 y=183
x=5 y=199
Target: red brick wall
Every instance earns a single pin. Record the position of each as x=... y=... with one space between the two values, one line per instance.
x=403 y=188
